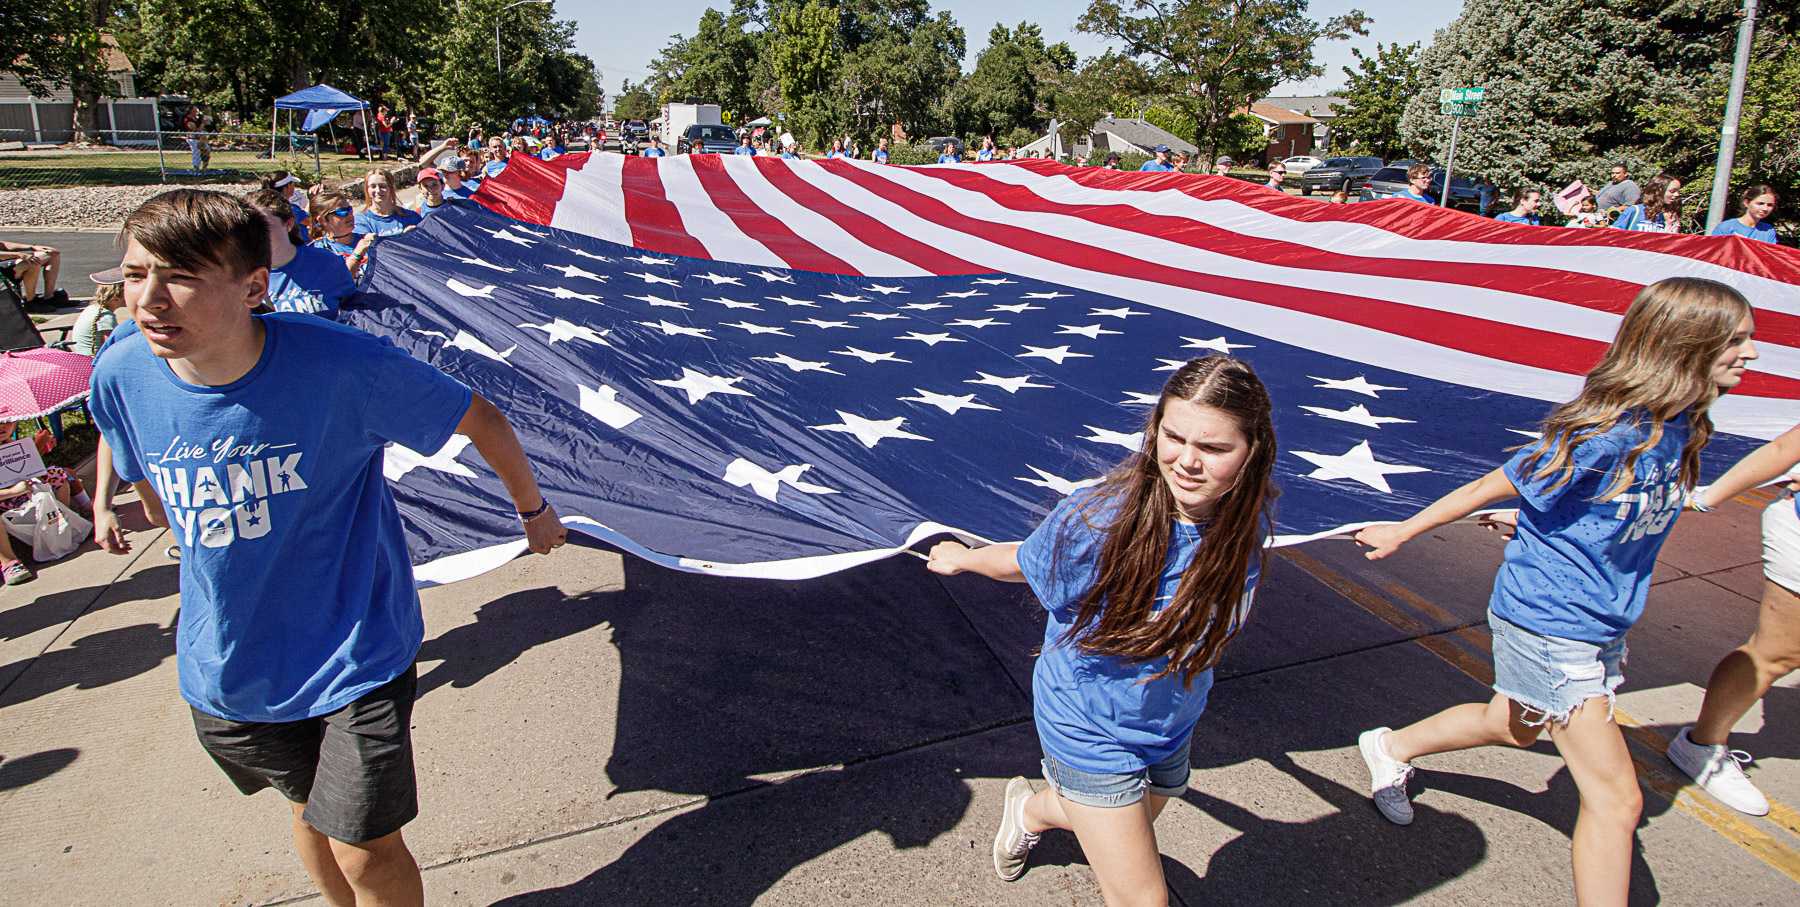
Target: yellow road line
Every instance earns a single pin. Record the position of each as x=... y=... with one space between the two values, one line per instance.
x=1675 y=787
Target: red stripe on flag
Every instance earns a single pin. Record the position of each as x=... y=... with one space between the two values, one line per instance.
x=1603 y=294
x=528 y=190
x=655 y=222
x=866 y=229
x=723 y=193
x=1415 y=221
x=1494 y=340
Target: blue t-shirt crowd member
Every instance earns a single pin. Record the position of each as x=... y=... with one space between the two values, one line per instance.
x=1524 y=210
x=258 y=440
x=1160 y=163
x=1759 y=203
x=1762 y=231
x=371 y=221
x=315 y=282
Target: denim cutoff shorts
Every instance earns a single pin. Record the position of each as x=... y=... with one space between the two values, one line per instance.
x=1168 y=778
x=1553 y=676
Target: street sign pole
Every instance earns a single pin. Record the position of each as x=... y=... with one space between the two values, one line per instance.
x=1734 y=105
x=1450 y=163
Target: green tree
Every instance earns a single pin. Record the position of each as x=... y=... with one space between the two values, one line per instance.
x=40 y=42
x=1377 y=92
x=1570 y=84
x=542 y=75
x=804 y=56
x=1213 y=57
x=634 y=103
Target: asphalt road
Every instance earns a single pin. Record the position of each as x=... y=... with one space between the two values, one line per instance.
x=83 y=252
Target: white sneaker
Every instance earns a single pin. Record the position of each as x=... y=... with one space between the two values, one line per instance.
x=1717 y=771
x=1012 y=844
x=1387 y=777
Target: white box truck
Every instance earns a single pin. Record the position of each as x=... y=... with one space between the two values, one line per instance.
x=676 y=118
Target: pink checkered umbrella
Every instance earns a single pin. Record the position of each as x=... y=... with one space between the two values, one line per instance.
x=39 y=382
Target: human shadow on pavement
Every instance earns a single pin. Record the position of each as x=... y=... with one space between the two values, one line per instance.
x=504 y=630
x=93 y=661
x=17 y=621
x=727 y=685
x=19 y=771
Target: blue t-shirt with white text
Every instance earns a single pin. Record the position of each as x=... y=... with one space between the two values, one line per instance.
x=371 y=222
x=1578 y=568
x=653 y=152
x=1530 y=220
x=296 y=589
x=314 y=283
x=1096 y=713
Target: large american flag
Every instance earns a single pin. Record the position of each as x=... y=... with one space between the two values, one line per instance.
x=759 y=367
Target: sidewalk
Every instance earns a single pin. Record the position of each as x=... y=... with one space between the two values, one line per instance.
x=595 y=730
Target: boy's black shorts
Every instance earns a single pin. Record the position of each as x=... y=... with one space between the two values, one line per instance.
x=352 y=768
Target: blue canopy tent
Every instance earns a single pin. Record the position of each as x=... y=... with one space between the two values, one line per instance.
x=322 y=103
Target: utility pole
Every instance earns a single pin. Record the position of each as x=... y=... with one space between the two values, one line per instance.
x=1734 y=107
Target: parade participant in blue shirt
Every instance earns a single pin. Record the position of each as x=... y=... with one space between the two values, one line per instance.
x=1601 y=490
x=289 y=186
x=1418 y=179
x=337 y=221
x=382 y=215
x=987 y=151
x=1160 y=163
x=952 y=154
x=301 y=278
x=881 y=151
x=454 y=187
x=655 y=149
x=744 y=147
x=1759 y=202
x=1146 y=578
x=1524 y=210
x=258 y=442
x=1660 y=210
x=432 y=198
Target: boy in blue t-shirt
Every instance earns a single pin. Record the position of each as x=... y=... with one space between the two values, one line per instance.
x=1524 y=210
x=299 y=622
x=1161 y=162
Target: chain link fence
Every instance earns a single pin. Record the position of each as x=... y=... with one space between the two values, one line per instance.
x=144 y=158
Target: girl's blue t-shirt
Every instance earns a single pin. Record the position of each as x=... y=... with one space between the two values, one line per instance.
x=493 y=168
x=881 y=157
x=371 y=222
x=1580 y=569
x=296 y=590
x=1530 y=220
x=342 y=250
x=1763 y=232
x=1096 y=713
x=314 y=283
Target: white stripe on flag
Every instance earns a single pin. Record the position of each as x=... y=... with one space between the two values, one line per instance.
x=593 y=200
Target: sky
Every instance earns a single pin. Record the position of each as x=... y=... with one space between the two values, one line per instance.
x=622 y=45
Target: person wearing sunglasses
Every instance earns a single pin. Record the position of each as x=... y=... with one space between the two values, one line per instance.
x=337 y=225
x=1277 y=173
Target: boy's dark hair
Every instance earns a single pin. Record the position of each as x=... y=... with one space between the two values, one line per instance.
x=1418 y=170
x=193 y=229
x=270 y=202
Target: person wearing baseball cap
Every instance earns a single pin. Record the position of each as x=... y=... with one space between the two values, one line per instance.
x=97 y=321
x=1222 y=166
x=1161 y=163
x=289 y=186
x=1111 y=162
x=431 y=189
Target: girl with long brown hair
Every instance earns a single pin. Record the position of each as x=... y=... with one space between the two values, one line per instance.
x=1601 y=488
x=1660 y=210
x=1146 y=578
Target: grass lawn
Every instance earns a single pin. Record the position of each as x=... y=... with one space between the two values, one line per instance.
x=43 y=170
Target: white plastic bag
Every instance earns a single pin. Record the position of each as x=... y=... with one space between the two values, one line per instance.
x=52 y=529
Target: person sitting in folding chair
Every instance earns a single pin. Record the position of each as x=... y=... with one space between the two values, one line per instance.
x=68 y=489
x=27 y=263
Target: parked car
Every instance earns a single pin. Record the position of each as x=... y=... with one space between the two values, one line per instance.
x=701 y=138
x=1336 y=173
x=1391 y=181
x=937 y=144
x=1301 y=163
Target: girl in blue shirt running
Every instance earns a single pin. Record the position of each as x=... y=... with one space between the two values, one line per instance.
x=1146 y=578
x=1601 y=489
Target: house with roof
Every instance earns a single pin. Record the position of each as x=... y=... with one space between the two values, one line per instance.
x=1289 y=133
x=1316 y=106
x=1120 y=135
x=26 y=118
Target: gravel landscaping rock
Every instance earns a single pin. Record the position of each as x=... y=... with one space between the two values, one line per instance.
x=102 y=207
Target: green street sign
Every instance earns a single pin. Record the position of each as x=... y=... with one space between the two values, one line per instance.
x=1460 y=102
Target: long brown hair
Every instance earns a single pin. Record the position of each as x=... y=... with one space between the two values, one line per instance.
x=1660 y=361
x=1117 y=616
x=1656 y=195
